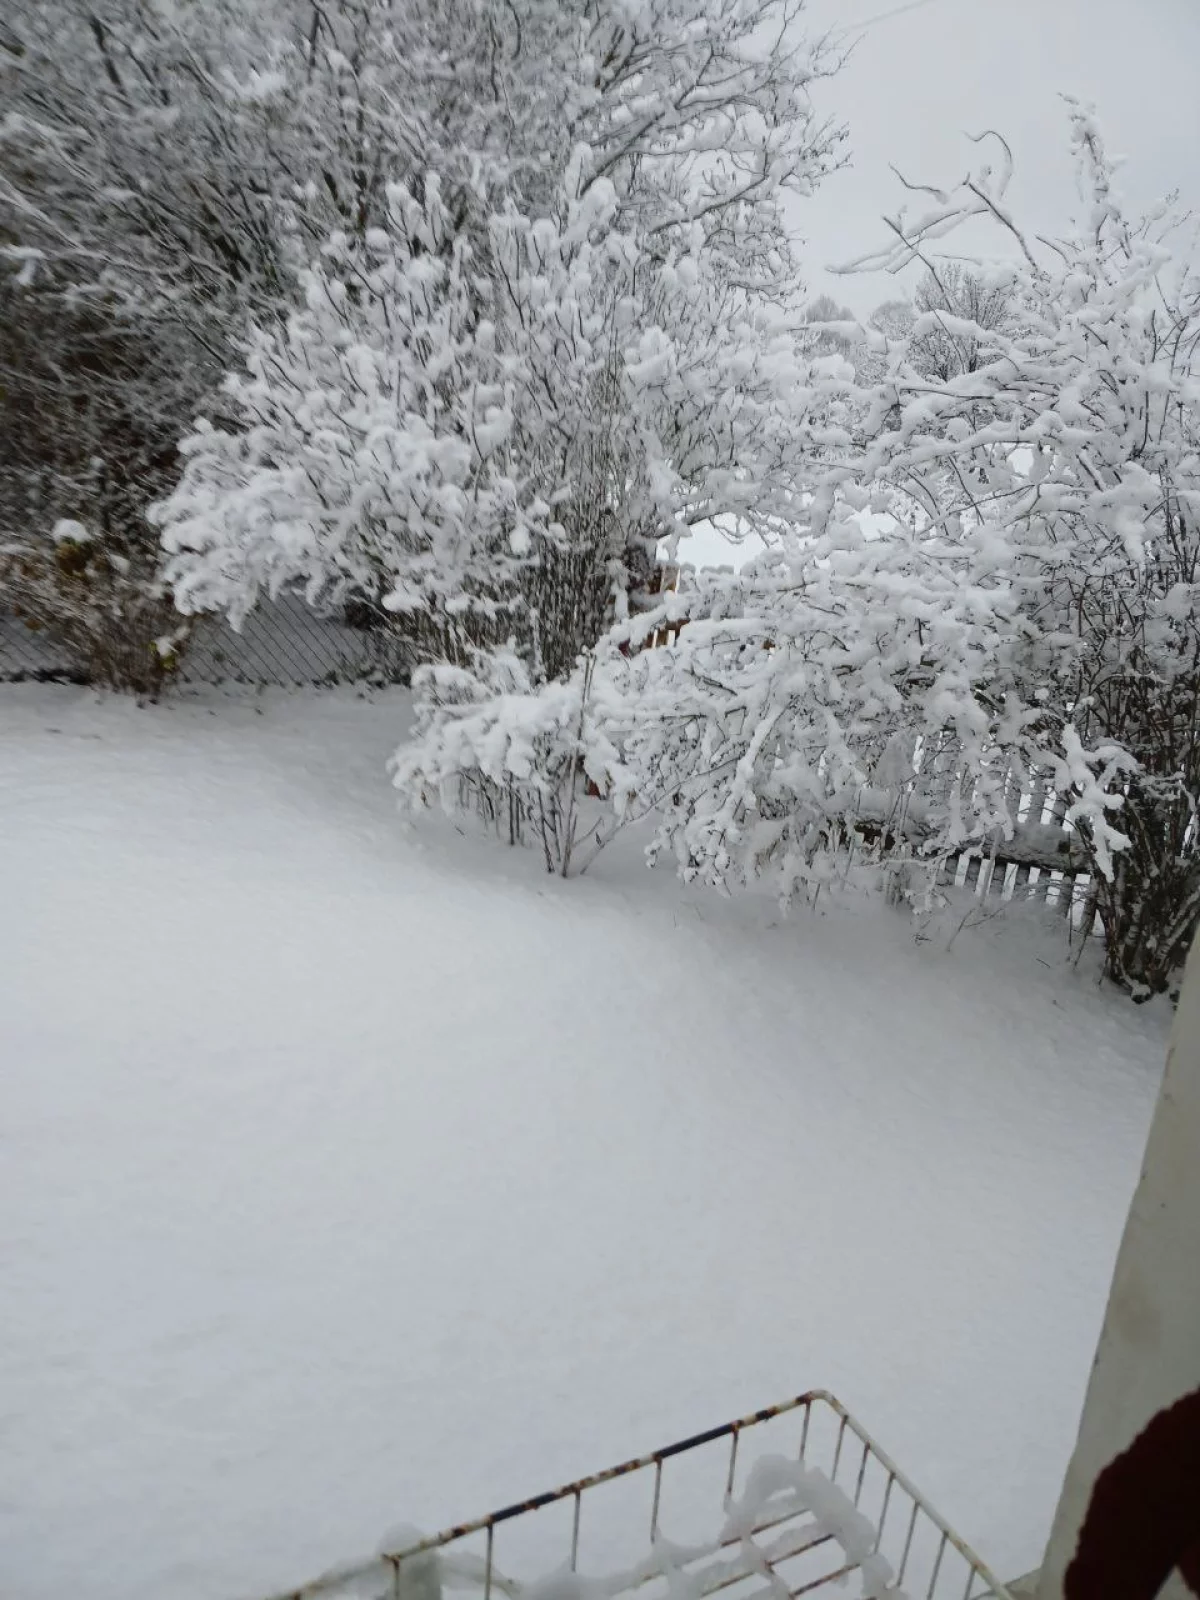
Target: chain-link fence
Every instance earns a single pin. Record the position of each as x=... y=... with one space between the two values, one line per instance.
x=285 y=643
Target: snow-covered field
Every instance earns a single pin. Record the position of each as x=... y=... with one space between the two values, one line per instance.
x=351 y=1175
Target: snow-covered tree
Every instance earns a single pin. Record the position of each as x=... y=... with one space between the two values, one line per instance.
x=177 y=162
x=988 y=567
x=837 y=681
x=824 y=317
x=86 y=419
x=968 y=301
x=591 y=342
x=1025 y=594
x=164 y=173
x=144 y=160
x=392 y=430
x=136 y=229
x=1076 y=434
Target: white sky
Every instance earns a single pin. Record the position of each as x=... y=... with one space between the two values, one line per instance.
x=921 y=78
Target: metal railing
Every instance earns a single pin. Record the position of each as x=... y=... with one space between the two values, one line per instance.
x=695 y=1513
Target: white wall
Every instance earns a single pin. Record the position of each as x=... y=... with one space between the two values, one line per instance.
x=1149 y=1351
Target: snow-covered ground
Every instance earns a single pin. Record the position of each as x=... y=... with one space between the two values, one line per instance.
x=351 y=1175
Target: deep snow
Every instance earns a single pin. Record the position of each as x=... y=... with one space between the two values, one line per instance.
x=350 y=1174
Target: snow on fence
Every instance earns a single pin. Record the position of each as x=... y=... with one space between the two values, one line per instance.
x=1038 y=864
x=998 y=879
x=1042 y=861
x=284 y=644
x=793 y=1500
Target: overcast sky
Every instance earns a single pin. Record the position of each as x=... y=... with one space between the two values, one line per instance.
x=917 y=81
x=920 y=79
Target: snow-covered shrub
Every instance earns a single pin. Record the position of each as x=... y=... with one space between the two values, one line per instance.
x=395 y=438
x=569 y=334
x=994 y=569
x=837 y=687
x=134 y=234
x=89 y=434
x=1076 y=438
x=109 y=610
x=164 y=171
x=485 y=740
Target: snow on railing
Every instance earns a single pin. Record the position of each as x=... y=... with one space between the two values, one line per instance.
x=794 y=1500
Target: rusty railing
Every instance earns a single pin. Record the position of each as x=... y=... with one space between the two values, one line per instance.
x=647 y=1548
